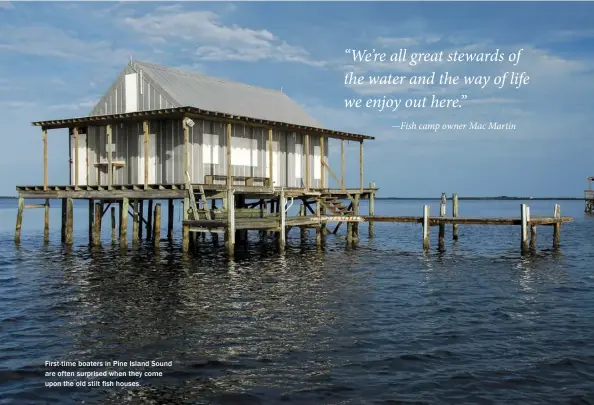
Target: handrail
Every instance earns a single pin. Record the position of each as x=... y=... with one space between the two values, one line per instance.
x=338 y=181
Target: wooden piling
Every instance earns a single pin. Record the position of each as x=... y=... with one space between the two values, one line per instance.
x=356 y=213
x=91 y=215
x=185 y=238
x=141 y=217
x=230 y=234
x=426 y=214
x=124 y=223
x=318 y=227
x=63 y=224
x=135 y=222
x=69 y=221
x=455 y=214
x=371 y=209
x=442 y=213
x=170 y=219
x=302 y=229
x=149 y=220
x=157 y=225
x=113 y=225
x=532 y=236
x=97 y=227
x=557 y=227
x=524 y=229
x=46 y=221
x=19 y=221
x=282 y=231
x=185 y=229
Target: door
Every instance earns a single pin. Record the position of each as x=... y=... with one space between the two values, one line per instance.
x=82 y=160
x=275 y=164
x=152 y=159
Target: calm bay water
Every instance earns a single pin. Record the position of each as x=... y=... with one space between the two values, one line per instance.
x=380 y=324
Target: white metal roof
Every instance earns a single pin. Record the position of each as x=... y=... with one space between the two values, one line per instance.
x=213 y=94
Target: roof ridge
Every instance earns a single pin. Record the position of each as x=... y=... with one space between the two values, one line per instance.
x=205 y=77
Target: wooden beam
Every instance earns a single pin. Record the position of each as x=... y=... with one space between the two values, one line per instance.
x=46 y=221
x=170 y=219
x=270 y=155
x=157 y=225
x=342 y=160
x=69 y=221
x=145 y=130
x=455 y=214
x=230 y=234
x=97 y=225
x=113 y=225
x=229 y=173
x=109 y=158
x=321 y=163
x=307 y=183
x=426 y=215
x=75 y=132
x=186 y=147
x=124 y=222
x=19 y=221
x=360 y=166
x=524 y=230
x=44 y=137
x=282 y=235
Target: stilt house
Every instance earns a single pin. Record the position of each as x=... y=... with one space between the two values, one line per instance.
x=159 y=126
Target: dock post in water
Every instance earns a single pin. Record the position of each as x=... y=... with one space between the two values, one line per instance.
x=19 y=221
x=426 y=213
x=135 y=222
x=455 y=214
x=356 y=213
x=91 y=220
x=557 y=227
x=442 y=213
x=69 y=221
x=532 y=236
x=170 y=219
x=46 y=221
x=524 y=224
x=141 y=217
x=230 y=234
x=318 y=226
x=283 y=220
x=113 y=225
x=302 y=229
x=371 y=209
x=157 y=225
x=186 y=228
x=149 y=220
x=97 y=225
x=124 y=223
x=63 y=225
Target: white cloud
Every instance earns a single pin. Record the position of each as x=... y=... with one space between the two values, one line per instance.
x=215 y=40
x=48 y=41
x=19 y=104
x=83 y=104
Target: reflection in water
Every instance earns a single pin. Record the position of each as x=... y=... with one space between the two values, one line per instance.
x=382 y=323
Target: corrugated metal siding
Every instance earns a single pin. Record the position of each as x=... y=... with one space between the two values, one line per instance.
x=150 y=97
x=169 y=163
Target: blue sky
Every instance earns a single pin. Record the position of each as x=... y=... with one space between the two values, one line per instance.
x=57 y=59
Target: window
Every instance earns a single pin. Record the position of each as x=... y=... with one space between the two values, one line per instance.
x=210 y=149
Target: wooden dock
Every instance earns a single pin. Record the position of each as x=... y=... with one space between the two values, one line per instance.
x=212 y=209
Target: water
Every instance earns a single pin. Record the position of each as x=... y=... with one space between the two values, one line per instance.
x=381 y=324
